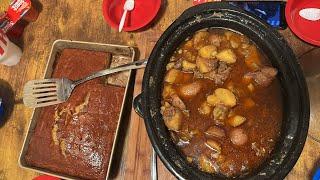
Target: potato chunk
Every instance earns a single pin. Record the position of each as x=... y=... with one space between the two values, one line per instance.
x=189 y=56
x=226 y=97
x=188 y=44
x=174 y=123
x=177 y=76
x=209 y=51
x=172 y=118
x=213 y=100
x=222 y=96
x=172 y=75
x=200 y=38
x=170 y=65
x=227 y=56
x=168 y=90
x=188 y=66
x=190 y=90
x=238 y=136
x=205 y=109
x=236 y=120
x=205 y=164
x=206 y=65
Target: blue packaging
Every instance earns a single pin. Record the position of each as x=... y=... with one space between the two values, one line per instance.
x=271 y=12
x=317 y=175
x=1 y=110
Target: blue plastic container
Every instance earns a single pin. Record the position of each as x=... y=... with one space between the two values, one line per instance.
x=317 y=175
x=1 y=110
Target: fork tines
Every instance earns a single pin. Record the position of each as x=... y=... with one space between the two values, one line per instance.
x=39 y=93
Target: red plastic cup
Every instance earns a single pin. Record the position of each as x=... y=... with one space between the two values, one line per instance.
x=143 y=13
x=307 y=30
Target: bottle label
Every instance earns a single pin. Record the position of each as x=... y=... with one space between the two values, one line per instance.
x=3 y=44
x=16 y=10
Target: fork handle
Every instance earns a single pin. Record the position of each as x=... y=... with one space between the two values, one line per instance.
x=134 y=65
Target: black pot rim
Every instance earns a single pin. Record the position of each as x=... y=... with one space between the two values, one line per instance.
x=303 y=97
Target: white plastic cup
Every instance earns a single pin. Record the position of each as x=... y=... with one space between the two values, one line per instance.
x=10 y=54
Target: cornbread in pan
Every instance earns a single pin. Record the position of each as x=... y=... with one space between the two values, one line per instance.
x=120 y=78
x=76 y=138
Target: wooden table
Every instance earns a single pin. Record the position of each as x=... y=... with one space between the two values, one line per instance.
x=69 y=19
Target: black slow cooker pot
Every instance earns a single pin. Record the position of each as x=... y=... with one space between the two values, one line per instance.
x=296 y=100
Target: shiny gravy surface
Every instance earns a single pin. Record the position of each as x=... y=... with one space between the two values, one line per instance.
x=222 y=102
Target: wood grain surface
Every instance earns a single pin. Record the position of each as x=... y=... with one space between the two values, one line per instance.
x=83 y=21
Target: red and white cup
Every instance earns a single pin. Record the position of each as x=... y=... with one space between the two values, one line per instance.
x=10 y=54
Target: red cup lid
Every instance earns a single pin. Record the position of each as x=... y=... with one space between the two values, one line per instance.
x=142 y=14
x=307 y=30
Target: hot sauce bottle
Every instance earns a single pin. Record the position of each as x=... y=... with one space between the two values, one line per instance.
x=19 y=13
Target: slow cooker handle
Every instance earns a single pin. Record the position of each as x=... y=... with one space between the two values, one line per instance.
x=137 y=105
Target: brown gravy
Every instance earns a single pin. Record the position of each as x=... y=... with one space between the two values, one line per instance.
x=235 y=145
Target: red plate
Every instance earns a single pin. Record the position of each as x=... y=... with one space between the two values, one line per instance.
x=46 y=177
x=307 y=30
x=196 y=2
x=143 y=13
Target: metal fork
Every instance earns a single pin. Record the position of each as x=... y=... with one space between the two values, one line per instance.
x=46 y=92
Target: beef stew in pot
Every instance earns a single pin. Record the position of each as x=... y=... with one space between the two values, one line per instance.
x=222 y=102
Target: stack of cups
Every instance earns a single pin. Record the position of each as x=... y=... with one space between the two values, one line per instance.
x=10 y=54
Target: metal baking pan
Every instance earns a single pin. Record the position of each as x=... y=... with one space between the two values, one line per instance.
x=117 y=52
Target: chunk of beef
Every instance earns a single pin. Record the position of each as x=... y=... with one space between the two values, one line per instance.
x=178 y=64
x=215 y=131
x=198 y=74
x=223 y=72
x=223 y=68
x=185 y=135
x=206 y=65
x=269 y=71
x=264 y=76
x=177 y=102
x=215 y=39
x=172 y=118
x=220 y=75
x=168 y=112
